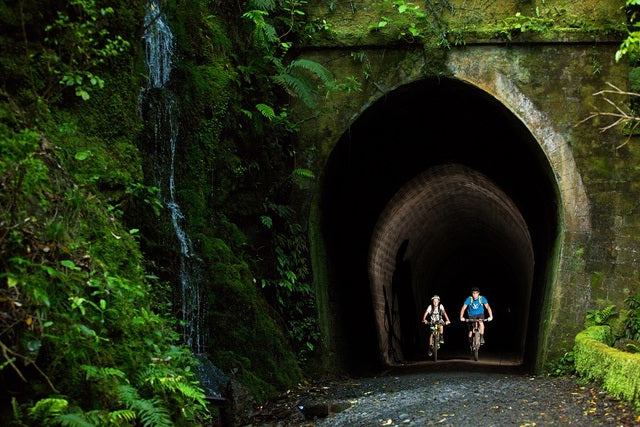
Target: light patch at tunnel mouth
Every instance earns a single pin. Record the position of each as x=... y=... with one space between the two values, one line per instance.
x=448 y=224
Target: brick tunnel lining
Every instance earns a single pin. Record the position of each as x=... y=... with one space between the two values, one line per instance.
x=436 y=235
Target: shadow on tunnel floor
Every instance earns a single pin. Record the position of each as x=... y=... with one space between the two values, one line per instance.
x=457 y=361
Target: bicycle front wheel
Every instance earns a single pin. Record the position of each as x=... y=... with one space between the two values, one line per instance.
x=436 y=345
x=476 y=346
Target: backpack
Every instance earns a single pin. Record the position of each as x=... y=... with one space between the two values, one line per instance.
x=435 y=315
x=481 y=300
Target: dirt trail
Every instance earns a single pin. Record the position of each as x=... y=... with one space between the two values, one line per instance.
x=448 y=394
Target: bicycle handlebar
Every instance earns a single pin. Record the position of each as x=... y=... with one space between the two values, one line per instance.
x=476 y=320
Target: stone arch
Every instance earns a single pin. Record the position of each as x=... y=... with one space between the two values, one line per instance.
x=365 y=187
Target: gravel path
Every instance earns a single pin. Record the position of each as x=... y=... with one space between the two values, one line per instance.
x=451 y=397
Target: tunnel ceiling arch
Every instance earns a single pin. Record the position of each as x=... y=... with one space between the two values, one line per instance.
x=415 y=129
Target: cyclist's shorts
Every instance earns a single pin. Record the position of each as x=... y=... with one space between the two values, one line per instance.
x=476 y=316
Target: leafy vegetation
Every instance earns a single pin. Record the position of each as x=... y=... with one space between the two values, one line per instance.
x=411 y=22
x=81 y=343
x=601 y=317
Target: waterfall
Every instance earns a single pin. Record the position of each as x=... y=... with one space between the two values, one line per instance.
x=162 y=117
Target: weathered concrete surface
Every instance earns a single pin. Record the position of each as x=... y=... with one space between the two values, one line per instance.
x=545 y=81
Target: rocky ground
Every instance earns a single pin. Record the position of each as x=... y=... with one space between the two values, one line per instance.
x=447 y=395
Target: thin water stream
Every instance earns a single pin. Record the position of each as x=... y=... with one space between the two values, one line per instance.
x=162 y=118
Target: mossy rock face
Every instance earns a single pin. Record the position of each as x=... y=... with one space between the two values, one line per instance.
x=245 y=339
x=381 y=22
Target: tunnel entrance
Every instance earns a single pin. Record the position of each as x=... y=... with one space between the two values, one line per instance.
x=435 y=188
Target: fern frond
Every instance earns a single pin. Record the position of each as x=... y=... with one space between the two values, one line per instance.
x=48 y=408
x=266 y=5
x=17 y=415
x=73 y=420
x=266 y=111
x=152 y=414
x=103 y=373
x=192 y=392
x=128 y=394
x=313 y=67
x=298 y=87
x=304 y=173
x=122 y=415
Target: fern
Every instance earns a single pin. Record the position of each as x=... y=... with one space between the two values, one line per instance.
x=164 y=380
x=304 y=173
x=266 y=5
x=263 y=31
x=117 y=417
x=297 y=79
x=150 y=412
x=192 y=392
x=602 y=317
x=298 y=87
x=46 y=409
x=266 y=111
x=73 y=420
x=103 y=372
x=313 y=67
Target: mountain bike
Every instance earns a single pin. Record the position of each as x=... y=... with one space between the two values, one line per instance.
x=475 y=337
x=435 y=333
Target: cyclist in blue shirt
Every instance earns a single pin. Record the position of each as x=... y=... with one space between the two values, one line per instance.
x=476 y=305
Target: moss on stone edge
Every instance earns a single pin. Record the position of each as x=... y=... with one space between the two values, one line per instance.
x=619 y=371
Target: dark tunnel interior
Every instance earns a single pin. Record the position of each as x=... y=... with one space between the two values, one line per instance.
x=451 y=190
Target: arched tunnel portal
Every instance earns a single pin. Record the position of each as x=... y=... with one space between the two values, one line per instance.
x=435 y=188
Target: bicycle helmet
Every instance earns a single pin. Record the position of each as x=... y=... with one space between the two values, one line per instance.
x=434 y=297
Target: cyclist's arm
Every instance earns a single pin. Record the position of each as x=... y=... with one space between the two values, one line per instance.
x=446 y=316
x=488 y=307
x=424 y=317
x=464 y=307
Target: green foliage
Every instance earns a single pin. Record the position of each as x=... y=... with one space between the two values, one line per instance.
x=601 y=317
x=521 y=23
x=76 y=305
x=406 y=25
x=297 y=77
x=632 y=324
x=630 y=46
x=51 y=49
x=565 y=365
x=290 y=286
x=79 y=43
x=410 y=22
